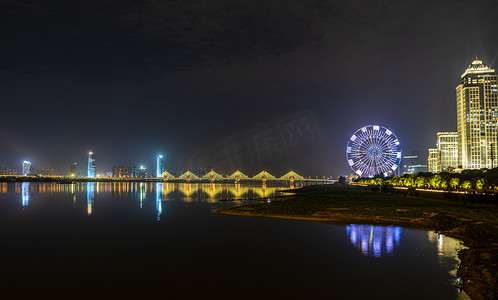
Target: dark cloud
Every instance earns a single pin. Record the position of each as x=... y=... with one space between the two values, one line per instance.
x=131 y=38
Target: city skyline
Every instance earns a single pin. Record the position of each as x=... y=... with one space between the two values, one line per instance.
x=236 y=89
x=479 y=85
x=474 y=144
x=182 y=149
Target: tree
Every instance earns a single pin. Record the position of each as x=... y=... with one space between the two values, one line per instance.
x=454 y=182
x=481 y=183
x=408 y=181
x=444 y=184
x=420 y=181
x=466 y=184
x=435 y=181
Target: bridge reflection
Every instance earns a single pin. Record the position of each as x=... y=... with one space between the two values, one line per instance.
x=202 y=192
x=374 y=240
x=158 y=192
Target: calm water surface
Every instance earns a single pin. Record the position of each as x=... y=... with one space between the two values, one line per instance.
x=157 y=240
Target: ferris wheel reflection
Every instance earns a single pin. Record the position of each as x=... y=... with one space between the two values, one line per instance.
x=374 y=240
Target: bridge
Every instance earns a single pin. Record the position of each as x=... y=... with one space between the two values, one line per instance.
x=239 y=177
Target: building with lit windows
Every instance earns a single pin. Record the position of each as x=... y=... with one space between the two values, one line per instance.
x=432 y=161
x=477 y=112
x=9 y=171
x=142 y=172
x=91 y=165
x=411 y=164
x=45 y=171
x=26 y=168
x=124 y=172
x=447 y=147
x=160 y=167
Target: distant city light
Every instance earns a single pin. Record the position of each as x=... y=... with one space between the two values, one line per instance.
x=26 y=168
x=91 y=165
x=160 y=166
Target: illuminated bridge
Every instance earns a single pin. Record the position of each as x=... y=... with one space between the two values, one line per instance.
x=239 y=177
x=213 y=177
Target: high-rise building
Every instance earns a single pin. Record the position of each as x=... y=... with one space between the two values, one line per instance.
x=122 y=172
x=26 y=168
x=477 y=112
x=160 y=166
x=9 y=171
x=91 y=164
x=142 y=172
x=447 y=147
x=432 y=161
x=46 y=171
x=73 y=170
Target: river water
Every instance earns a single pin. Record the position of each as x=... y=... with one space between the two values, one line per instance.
x=158 y=240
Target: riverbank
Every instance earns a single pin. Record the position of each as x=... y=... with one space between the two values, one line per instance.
x=474 y=221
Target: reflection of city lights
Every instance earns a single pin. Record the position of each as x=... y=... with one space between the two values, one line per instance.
x=374 y=240
x=90 y=194
x=447 y=250
x=142 y=194
x=159 y=199
x=25 y=194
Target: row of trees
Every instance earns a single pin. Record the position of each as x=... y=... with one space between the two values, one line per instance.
x=468 y=179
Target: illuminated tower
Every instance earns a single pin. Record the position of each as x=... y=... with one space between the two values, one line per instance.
x=432 y=161
x=26 y=168
x=477 y=112
x=91 y=164
x=447 y=148
x=160 y=166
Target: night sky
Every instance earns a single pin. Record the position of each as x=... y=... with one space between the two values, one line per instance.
x=230 y=84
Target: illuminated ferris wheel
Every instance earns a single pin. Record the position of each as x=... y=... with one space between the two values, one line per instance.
x=373 y=150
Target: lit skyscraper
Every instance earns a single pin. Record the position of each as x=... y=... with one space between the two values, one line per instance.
x=91 y=164
x=160 y=166
x=432 y=161
x=477 y=112
x=26 y=168
x=447 y=147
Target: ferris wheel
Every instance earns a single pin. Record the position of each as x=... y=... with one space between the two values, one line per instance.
x=373 y=150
